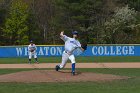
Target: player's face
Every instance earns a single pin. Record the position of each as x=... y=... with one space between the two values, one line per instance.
x=75 y=36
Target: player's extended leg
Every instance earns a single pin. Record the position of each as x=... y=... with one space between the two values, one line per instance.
x=72 y=59
x=35 y=57
x=65 y=58
x=30 y=57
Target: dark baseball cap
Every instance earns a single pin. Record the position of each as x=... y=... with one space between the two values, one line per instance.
x=75 y=32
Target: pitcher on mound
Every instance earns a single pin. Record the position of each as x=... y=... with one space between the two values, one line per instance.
x=71 y=44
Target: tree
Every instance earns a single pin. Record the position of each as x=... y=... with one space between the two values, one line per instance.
x=134 y=4
x=96 y=20
x=16 y=28
x=81 y=15
x=44 y=11
x=120 y=29
x=4 y=5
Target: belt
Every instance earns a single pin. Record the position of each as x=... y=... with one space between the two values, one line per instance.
x=67 y=52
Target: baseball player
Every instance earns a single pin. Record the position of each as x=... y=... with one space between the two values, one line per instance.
x=70 y=45
x=32 y=52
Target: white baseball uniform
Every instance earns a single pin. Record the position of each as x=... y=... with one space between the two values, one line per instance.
x=70 y=45
x=32 y=47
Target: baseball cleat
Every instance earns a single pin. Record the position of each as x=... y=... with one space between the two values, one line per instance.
x=37 y=62
x=73 y=73
x=57 y=67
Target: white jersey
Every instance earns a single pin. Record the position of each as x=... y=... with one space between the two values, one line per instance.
x=32 y=47
x=70 y=43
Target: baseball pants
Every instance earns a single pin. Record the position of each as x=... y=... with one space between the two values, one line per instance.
x=65 y=57
x=32 y=54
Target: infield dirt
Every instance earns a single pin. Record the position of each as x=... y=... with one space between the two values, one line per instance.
x=78 y=65
x=36 y=76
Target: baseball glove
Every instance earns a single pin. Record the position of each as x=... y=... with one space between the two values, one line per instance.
x=84 y=46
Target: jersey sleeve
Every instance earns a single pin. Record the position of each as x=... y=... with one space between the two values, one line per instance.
x=35 y=47
x=78 y=50
x=64 y=38
x=78 y=45
x=29 y=48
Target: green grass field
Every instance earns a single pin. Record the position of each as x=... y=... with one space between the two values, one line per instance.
x=122 y=86
x=78 y=59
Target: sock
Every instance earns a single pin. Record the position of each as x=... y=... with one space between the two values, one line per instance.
x=73 y=67
x=29 y=60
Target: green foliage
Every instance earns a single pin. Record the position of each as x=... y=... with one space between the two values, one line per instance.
x=33 y=29
x=134 y=4
x=98 y=59
x=2 y=19
x=118 y=86
x=98 y=21
x=120 y=28
x=16 y=28
x=80 y=15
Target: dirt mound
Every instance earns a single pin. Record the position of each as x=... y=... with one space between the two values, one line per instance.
x=53 y=76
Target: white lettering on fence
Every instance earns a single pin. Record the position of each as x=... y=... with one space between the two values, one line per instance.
x=19 y=51
x=94 y=50
x=59 y=50
x=131 y=50
x=40 y=52
x=118 y=50
x=53 y=51
x=26 y=51
x=100 y=50
x=46 y=50
x=113 y=50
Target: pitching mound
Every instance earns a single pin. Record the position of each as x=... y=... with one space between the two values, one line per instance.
x=53 y=76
